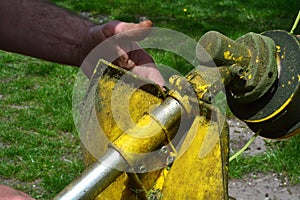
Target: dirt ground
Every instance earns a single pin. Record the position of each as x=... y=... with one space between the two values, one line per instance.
x=257 y=186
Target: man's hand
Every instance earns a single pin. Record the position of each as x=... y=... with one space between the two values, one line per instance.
x=123 y=47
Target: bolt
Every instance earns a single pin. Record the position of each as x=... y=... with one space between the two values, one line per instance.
x=208 y=97
x=237 y=70
x=154 y=195
x=163 y=150
x=142 y=169
x=170 y=159
x=204 y=112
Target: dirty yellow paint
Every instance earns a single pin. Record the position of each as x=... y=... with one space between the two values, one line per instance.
x=278 y=49
x=145 y=121
x=223 y=80
x=190 y=177
x=161 y=179
x=176 y=81
x=199 y=84
x=197 y=177
x=250 y=76
x=140 y=140
x=229 y=56
x=196 y=174
x=129 y=105
x=284 y=53
x=257 y=59
x=239 y=59
x=184 y=100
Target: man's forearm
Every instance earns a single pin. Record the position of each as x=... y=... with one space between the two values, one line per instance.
x=40 y=29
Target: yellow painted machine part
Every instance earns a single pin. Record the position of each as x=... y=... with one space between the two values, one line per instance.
x=192 y=175
x=139 y=102
x=141 y=139
x=195 y=176
x=114 y=124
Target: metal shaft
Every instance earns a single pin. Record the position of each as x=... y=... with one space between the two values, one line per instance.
x=95 y=178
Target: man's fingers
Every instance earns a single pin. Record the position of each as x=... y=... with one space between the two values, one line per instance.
x=149 y=72
x=130 y=55
x=133 y=31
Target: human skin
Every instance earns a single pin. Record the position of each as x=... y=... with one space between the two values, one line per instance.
x=7 y=193
x=40 y=29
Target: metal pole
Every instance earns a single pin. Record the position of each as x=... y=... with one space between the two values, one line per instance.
x=95 y=178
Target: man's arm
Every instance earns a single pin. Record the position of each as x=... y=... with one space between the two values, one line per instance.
x=40 y=29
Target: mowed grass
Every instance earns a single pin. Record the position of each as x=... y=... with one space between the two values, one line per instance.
x=281 y=157
x=39 y=145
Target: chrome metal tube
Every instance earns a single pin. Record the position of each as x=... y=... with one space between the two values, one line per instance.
x=95 y=178
x=168 y=113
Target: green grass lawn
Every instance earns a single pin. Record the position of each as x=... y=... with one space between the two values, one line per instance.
x=39 y=145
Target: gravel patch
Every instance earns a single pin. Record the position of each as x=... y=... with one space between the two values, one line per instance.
x=263 y=186
x=257 y=186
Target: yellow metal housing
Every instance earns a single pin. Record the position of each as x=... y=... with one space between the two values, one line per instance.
x=199 y=171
